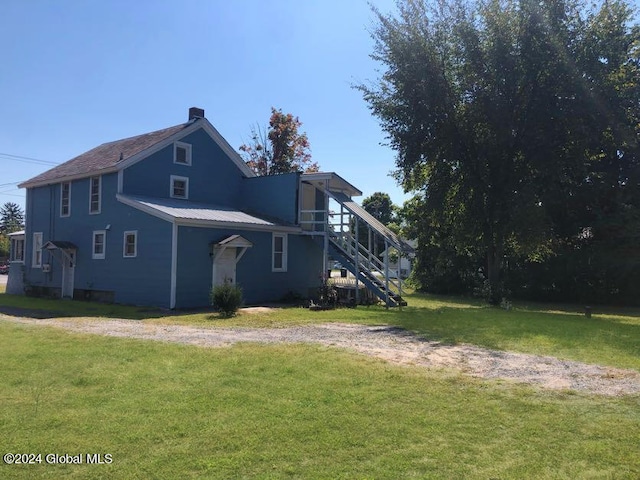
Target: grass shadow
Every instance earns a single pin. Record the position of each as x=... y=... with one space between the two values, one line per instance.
x=41 y=308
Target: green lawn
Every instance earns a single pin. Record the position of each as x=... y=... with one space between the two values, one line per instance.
x=172 y=411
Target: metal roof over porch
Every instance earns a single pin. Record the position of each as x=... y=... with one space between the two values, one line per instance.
x=183 y=212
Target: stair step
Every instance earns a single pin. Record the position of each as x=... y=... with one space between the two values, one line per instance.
x=374 y=283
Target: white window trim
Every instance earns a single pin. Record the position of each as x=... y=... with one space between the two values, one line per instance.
x=99 y=256
x=62 y=199
x=12 y=256
x=186 y=187
x=35 y=248
x=99 y=177
x=285 y=242
x=135 y=244
x=187 y=147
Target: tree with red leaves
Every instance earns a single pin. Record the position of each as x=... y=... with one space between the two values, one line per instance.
x=282 y=150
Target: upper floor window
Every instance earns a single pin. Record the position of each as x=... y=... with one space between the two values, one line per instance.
x=36 y=254
x=65 y=199
x=179 y=187
x=99 y=237
x=182 y=153
x=130 y=248
x=95 y=203
x=279 y=257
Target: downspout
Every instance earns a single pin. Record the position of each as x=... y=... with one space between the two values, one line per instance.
x=299 y=194
x=325 y=257
x=357 y=252
x=48 y=277
x=174 y=265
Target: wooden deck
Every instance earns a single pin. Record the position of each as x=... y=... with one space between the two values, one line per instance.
x=346 y=287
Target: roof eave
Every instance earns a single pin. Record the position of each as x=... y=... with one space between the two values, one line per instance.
x=195 y=125
x=188 y=222
x=67 y=178
x=340 y=184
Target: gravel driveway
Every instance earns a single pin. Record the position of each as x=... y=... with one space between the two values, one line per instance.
x=389 y=343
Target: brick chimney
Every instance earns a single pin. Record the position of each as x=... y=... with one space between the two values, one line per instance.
x=195 y=112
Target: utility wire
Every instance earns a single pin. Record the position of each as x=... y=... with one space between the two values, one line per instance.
x=20 y=158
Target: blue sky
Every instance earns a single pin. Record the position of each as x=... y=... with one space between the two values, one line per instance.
x=78 y=73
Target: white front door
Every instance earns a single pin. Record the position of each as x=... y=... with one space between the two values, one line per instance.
x=68 y=271
x=224 y=267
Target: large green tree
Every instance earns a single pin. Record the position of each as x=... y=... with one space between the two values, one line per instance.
x=279 y=149
x=380 y=206
x=501 y=112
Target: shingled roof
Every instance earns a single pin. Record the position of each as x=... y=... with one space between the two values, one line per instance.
x=104 y=157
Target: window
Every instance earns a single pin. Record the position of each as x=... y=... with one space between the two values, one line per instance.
x=130 y=249
x=65 y=199
x=279 y=253
x=36 y=254
x=99 y=238
x=179 y=187
x=182 y=153
x=95 y=195
x=17 y=249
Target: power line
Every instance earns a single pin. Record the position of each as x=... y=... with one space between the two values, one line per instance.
x=21 y=158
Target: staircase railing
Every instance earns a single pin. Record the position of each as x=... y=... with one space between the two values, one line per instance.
x=374 y=271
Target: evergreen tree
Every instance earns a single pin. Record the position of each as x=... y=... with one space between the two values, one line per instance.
x=11 y=218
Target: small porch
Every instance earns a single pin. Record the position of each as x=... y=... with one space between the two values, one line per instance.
x=65 y=253
x=15 y=277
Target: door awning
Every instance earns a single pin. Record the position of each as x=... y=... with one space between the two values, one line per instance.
x=234 y=241
x=59 y=245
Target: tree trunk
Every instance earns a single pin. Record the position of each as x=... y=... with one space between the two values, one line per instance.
x=494 y=266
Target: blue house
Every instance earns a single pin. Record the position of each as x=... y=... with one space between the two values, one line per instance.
x=159 y=218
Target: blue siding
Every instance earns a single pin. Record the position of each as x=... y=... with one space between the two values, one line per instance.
x=213 y=177
x=253 y=272
x=274 y=196
x=41 y=206
x=146 y=280
x=143 y=280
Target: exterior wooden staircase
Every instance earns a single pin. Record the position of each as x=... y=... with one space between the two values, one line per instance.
x=367 y=269
x=340 y=232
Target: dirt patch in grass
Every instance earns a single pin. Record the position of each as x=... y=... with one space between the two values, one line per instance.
x=392 y=344
x=255 y=310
